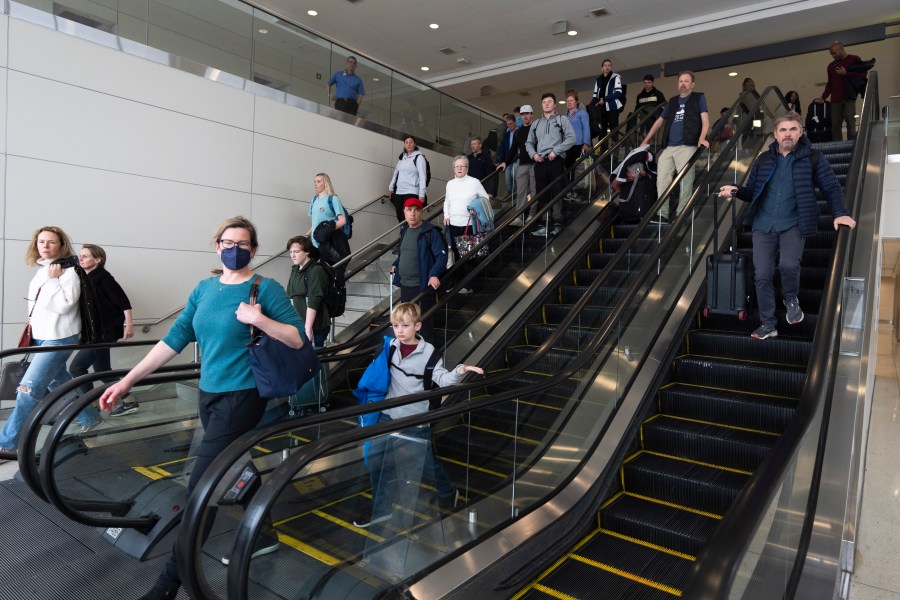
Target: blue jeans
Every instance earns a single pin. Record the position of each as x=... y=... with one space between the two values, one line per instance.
x=789 y=244
x=46 y=372
x=394 y=460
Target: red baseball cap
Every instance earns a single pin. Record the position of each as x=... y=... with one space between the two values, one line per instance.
x=413 y=202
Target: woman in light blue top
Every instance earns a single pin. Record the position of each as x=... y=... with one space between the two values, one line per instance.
x=218 y=316
x=325 y=206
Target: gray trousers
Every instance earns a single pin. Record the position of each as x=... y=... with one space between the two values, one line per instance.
x=525 y=185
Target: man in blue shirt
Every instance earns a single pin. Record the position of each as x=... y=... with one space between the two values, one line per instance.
x=783 y=212
x=349 y=90
x=685 y=123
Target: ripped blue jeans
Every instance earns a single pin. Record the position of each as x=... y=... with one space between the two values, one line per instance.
x=47 y=371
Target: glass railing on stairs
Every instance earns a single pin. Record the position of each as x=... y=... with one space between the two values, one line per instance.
x=518 y=456
x=237 y=44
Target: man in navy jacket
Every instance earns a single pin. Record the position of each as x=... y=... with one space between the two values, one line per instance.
x=421 y=261
x=783 y=213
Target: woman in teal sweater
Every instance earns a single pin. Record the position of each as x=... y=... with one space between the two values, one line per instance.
x=218 y=317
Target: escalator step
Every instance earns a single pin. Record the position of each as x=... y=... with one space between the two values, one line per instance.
x=656 y=570
x=817 y=257
x=741 y=347
x=702 y=442
x=524 y=381
x=623 y=230
x=667 y=526
x=633 y=260
x=681 y=482
x=785 y=382
x=809 y=301
x=590 y=316
x=604 y=296
x=751 y=411
x=551 y=363
x=574 y=338
x=579 y=579
x=588 y=276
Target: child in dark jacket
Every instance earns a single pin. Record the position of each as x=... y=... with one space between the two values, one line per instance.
x=400 y=461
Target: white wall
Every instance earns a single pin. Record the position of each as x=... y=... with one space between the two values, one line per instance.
x=146 y=160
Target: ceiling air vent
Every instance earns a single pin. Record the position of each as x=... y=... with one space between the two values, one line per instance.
x=447 y=51
x=599 y=12
x=83 y=18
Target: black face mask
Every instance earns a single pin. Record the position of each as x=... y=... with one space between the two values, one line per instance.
x=235 y=258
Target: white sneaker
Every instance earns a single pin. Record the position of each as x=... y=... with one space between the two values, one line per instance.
x=540 y=231
x=517 y=222
x=464 y=291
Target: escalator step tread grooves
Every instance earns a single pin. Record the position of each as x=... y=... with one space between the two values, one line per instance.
x=587 y=276
x=780 y=350
x=712 y=444
x=684 y=483
x=590 y=316
x=553 y=361
x=599 y=260
x=673 y=528
x=728 y=375
x=573 y=338
x=604 y=296
x=577 y=579
x=762 y=413
x=809 y=301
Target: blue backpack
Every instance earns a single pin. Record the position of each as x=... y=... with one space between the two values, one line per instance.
x=348 y=227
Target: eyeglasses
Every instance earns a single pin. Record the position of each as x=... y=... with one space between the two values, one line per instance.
x=243 y=245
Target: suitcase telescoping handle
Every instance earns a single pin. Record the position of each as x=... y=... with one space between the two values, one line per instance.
x=717 y=254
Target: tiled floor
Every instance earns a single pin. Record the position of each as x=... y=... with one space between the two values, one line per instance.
x=876 y=575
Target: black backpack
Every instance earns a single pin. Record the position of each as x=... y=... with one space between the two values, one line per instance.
x=348 y=227
x=427 y=168
x=336 y=292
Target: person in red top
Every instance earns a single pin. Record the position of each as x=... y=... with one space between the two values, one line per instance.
x=843 y=94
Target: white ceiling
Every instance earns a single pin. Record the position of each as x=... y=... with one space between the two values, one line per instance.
x=509 y=44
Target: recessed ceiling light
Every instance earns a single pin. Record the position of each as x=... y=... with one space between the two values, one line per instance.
x=424 y=68
x=376 y=79
x=263 y=30
x=560 y=101
x=733 y=74
x=434 y=25
x=312 y=13
x=572 y=32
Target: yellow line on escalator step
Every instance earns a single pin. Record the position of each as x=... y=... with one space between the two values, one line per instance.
x=148 y=473
x=701 y=463
x=744 y=392
x=741 y=361
x=502 y=434
x=347 y=525
x=696 y=511
x=639 y=542
x=308 y=550
x=722 y=425
x=551 y=592
x=643 y=580
x=475 y=467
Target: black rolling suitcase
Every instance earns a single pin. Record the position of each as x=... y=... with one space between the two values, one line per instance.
x=636 y=198
x=728 y=274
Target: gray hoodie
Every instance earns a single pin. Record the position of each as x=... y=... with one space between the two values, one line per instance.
x=402 y=384
x=409 y=175
x=550 y=135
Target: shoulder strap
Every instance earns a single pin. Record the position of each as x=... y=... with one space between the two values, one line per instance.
x=428 y=377
x=331 y=205
x=254 y=295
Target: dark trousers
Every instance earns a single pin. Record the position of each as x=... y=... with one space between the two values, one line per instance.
x=407 y=293
x=789 y=245
x=98 y=359
x=843 y=112
x=545 y=175
x=347 y=105
x=609 y=120
x=398 y=200
x=225 y=417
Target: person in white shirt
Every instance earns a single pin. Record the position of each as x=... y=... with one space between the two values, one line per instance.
x=461 y=192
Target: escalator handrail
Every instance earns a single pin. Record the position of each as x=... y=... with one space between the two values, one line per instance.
x=491 y=236
x=39 y=349
x=715 y=569
x=57 y=433
x=194 y=510
x=31 y=427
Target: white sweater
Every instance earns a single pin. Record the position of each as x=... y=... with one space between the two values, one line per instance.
x=55 y=314
x=460 y=194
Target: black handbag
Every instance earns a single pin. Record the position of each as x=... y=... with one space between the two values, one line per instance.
x=278 y=369
x=11 y=376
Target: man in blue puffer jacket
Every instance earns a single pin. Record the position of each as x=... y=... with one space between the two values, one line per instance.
x=783 y=213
